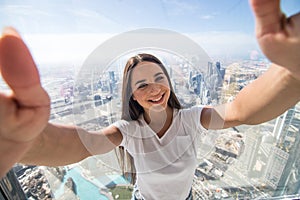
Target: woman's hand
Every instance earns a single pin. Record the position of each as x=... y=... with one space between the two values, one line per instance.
x=278 y=36
x=25 y=112
x=278 y=89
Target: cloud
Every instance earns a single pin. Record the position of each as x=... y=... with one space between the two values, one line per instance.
x=207 y=17
x=225 y=43
x=175 y=7
x=88 y=14
x=63 y=48
x=22 y=10
x=75 y=48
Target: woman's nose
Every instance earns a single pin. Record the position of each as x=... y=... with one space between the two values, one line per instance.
x=154 y=88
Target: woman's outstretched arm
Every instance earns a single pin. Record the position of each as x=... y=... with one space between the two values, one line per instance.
x=262 y=100
x=60 y=145
x=276 y=90
x=25 y=134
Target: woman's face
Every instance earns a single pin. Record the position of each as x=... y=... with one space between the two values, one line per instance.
x=150 y=86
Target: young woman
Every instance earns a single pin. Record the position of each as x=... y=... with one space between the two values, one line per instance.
x=157 y=133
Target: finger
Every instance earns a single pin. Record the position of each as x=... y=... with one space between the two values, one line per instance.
x=268 y=16
x=292 y=25
x=19 y=71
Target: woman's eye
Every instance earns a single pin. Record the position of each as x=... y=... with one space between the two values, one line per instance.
x=159 y=78
x=142 y=86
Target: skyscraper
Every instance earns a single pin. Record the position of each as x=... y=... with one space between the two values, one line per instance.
x=10 y=187
x=283 y=165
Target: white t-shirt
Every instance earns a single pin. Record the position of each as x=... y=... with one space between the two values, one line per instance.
x=165 y=166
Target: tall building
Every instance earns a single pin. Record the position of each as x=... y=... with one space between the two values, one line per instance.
x=10 y=187
x=214 y=80
x=283 y=167
x=196 y=83
x=112 y=81
x=275 y=167
x=248 y=158
x=221 y=70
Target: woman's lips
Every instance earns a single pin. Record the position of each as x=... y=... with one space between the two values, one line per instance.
x=157 y=100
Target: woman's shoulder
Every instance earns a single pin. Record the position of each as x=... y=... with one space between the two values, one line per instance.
x=191 y=117
x=127 y=123
x=189 y=110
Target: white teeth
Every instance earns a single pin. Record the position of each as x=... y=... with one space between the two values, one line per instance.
x=157 y=99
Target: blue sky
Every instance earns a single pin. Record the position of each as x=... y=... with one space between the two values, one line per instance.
x=221 y=27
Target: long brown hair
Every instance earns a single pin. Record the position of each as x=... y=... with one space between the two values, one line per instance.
x=131 y=110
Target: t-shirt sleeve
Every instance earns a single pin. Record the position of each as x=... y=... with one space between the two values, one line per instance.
x=123 y=127
x=192 y=118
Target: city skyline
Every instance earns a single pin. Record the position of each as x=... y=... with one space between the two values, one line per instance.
x=243 y=162
x=256 y=169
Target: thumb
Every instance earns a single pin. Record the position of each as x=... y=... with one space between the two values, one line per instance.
x=268 y=16
x=19 y=70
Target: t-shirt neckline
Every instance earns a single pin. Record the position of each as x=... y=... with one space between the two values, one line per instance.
x=160 y=139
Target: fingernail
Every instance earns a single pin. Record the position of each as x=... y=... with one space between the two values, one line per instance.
x=10 y=31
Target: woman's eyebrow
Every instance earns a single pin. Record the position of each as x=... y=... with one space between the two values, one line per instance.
x=140 y=81
x=157 y=74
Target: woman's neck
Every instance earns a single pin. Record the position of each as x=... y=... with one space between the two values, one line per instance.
x=159 y=121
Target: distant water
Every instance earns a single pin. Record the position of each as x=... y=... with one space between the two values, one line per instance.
x=85 y=189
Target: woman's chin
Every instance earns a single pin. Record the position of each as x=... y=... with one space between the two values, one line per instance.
x=157 y=108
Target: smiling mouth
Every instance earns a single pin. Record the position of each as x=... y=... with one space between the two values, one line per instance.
x=158 y=100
